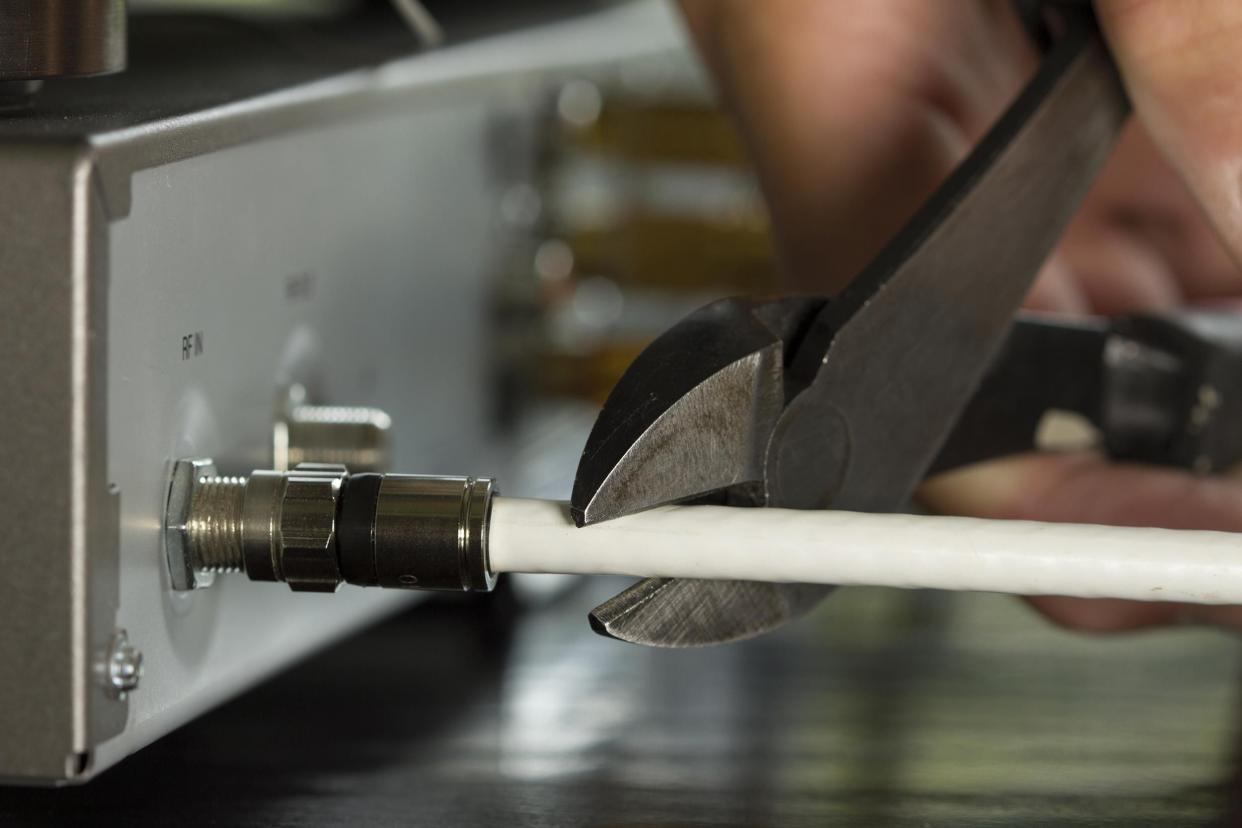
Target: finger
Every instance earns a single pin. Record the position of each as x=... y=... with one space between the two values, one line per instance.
x=1087 y=488
x=1105 y=614
x=854 y=112
x=1115 y=615
x=1057 y=290
x=1179 y=61
x=1119 y=271
x=1139 y=194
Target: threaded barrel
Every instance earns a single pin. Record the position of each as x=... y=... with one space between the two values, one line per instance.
x=214 y=528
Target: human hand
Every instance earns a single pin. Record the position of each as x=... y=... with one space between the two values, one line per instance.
x=855 y=112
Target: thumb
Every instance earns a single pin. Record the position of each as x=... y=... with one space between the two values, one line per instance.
x=1179 y=62
x=1085 y=487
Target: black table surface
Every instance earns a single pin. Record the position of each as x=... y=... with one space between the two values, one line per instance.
x=883 y=708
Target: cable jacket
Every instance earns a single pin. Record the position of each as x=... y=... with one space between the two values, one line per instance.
x=909 y=551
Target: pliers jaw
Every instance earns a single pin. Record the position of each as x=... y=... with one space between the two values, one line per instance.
x=691 y=421
x=693 y=415
x=799 y=404
x=675 y=612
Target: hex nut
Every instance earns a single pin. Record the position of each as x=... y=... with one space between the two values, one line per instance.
x=308 y=560
x=181 y=570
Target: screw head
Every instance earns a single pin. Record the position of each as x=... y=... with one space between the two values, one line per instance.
x=124 y=665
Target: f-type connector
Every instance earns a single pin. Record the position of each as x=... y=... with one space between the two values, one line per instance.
x=317 y=526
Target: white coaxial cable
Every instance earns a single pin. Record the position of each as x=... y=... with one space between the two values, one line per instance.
x=911 y=551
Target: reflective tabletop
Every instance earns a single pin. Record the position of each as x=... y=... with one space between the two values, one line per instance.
x=884 y=708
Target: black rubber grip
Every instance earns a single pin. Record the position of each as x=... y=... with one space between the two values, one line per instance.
x=355 y=529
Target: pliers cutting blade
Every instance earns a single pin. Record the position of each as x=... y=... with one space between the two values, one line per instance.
x=806 y=402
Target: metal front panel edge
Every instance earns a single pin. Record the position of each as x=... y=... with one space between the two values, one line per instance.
x=57 y=602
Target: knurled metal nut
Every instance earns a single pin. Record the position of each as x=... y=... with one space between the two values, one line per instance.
x=308 y=509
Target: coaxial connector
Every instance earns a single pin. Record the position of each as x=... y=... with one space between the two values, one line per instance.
x=317 y=526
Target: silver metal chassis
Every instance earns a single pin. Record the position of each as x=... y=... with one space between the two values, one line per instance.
x=161 y=285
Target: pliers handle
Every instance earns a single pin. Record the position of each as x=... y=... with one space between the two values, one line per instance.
x=1160 y=388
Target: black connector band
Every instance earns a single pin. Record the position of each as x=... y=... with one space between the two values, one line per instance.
x=355 y=530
